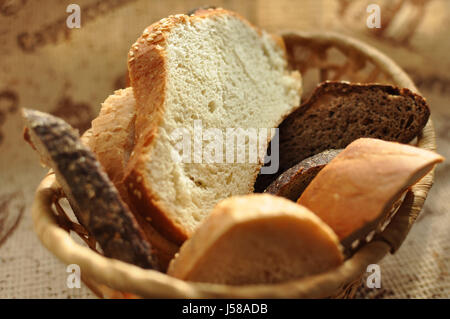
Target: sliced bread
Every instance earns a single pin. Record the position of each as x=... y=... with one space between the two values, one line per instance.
x=95 y=201
x=111 y=138
x=112 y=135
x=338 y=113
x=256 y=239
x=355 y=191
x=216 y=68
x=291 y=183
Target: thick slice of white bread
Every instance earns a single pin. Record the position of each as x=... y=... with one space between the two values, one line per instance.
x=214 y=67
x=112 y=134
x=355 y=191
x=254 y=239
x=111 y=138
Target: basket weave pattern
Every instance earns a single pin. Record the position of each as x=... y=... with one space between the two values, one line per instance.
x=319 y=57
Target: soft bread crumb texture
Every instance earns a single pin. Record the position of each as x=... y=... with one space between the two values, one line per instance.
x=113 y=133
x=111 y=138
x=227 y=74
x=257 y=239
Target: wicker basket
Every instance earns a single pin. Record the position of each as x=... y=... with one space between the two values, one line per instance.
x=319 y=56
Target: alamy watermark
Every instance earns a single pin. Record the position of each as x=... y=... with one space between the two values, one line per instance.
x=229 y=145
x=74 y=18
x=374 y=19
x=74 y=278
x=374 y=279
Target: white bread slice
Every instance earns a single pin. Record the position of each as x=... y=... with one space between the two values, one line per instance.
x=111 y=138
x=215 y=67
x=255 y=239
x=356 y=191
x=112 y=134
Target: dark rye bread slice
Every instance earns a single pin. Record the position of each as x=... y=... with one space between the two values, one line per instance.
x=291 y=183
x=95 y=200
x=338 y=113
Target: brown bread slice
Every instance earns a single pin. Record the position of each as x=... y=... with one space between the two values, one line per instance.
x=358 y=188
x=256 y=239
x=95 y=200
x=338 y=113
x=293 y=182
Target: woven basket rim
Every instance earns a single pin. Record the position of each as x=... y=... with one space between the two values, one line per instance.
x=149 y=283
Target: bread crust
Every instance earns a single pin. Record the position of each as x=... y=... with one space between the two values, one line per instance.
x=346 y=87
x=312 y=119
x=147 y=69
x=111 y=138
x=252 y=214
x=147 y=204
x=370 y=174
x=95 y=201
x=146 y=60
x=342 y=87
x=291 y=183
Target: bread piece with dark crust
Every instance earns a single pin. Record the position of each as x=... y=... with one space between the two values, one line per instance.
x=293 y=182
x=359 y=187
x=338 y=113
x=95 y=200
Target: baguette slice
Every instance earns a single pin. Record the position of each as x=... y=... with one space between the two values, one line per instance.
x=337 y=113
x=95 y=200
x=216 y=68
x=355 y=191
x=111 y=138
x=291 y=183
x=256 y=239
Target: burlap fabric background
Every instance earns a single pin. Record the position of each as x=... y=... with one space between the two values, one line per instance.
x=69 y=72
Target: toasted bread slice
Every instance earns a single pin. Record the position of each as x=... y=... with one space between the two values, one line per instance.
x=355 y=191
x=337 y=113
x=256 y=239
x=215 y=68
x=95 y=200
